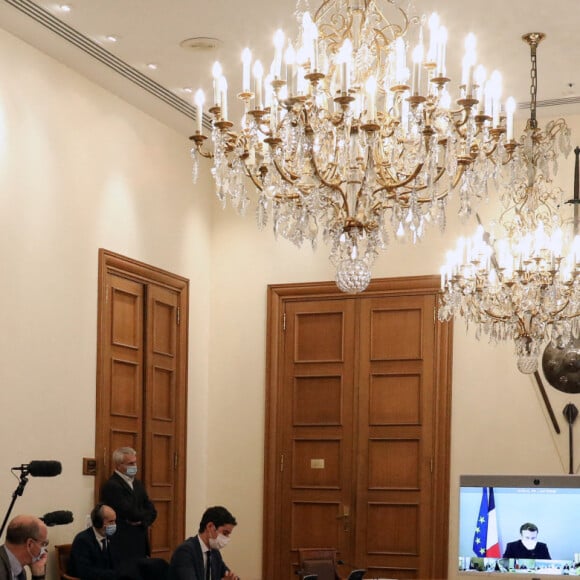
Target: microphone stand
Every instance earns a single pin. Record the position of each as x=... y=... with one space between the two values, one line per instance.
x=17 y=493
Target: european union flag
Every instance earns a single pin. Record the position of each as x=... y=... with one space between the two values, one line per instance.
x=480 y=536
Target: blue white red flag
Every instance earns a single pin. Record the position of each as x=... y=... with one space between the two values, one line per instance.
x=485 y=539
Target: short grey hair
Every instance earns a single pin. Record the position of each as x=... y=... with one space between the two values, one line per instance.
x=119 y=454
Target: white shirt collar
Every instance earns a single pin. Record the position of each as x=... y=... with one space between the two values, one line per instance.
x=126 y=478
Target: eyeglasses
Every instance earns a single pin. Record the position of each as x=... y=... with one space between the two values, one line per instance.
x=43 y=543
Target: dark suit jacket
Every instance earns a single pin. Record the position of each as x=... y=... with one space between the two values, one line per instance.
x=518 y=550
x=131 y=505
x=187 y=562
x=88 y=561
x=5 y=570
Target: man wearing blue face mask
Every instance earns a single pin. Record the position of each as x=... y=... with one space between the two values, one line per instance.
x=92 y=557
x=26 y=546
x=135 y=512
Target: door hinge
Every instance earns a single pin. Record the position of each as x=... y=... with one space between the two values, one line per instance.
x=281 y=462
x=431 y=464
x=284 y=321
x=175 y=460
x=178 y=315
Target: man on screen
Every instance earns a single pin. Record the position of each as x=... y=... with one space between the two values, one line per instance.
x=527 y=546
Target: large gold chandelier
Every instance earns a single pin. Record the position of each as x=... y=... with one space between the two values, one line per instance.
x=349 y=140
x=521 y=280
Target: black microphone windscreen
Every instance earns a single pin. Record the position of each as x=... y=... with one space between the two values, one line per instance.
x=57 y=518
x=44 y=468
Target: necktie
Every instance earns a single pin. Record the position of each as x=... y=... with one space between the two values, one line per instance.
x=208 y=566
x=22 y=575
x=106 y=552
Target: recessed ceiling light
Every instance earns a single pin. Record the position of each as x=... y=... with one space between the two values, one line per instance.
x=201 y=43
x=64 y=7
x=187 y=90
x=111 y=38
x=152 y=66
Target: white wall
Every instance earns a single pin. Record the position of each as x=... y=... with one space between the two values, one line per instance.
x=79 y=170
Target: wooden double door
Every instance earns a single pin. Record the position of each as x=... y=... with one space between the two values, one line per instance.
x=357 y=451
x=142 y=385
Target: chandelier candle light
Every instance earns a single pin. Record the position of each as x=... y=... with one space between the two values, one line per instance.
x=524 y=284
x=344 y=142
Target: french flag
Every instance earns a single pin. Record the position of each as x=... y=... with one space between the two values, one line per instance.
x=485 y=539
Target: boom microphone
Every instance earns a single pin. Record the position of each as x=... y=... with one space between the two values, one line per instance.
x=40 y=468
x=57 y=518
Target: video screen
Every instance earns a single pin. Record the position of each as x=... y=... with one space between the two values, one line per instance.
x=519 y=525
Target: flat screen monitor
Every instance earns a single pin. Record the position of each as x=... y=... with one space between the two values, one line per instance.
x=525 y=525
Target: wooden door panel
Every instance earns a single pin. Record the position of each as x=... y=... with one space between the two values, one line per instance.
x=317 y=438
x=395 y=436
x=317 y=401
x=319 y=336
x=160 y=416
x=395 y=399
x=123 y=393
x=396 y=332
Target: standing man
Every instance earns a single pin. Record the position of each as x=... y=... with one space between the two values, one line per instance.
x=135 y=511
x=91 y=556
x=199 y=557
x=26 y=545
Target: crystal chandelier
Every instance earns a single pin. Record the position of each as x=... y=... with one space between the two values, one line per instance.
x=523 y=283
x=348 y=140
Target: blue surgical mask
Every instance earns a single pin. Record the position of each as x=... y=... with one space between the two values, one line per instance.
x=110 y=529
x=131 y=470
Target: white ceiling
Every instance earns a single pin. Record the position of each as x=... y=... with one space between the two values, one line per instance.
x=150 y=31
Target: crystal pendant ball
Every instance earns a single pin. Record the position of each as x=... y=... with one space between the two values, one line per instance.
x=353 y=276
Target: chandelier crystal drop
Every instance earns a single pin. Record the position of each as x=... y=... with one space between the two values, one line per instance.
x=347 y=139
x=523 y=282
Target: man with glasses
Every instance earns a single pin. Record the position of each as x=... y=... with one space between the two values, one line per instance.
x=126 y=494
x=26 y=545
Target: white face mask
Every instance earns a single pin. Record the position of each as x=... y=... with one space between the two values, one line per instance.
x=219 y=543
x=42 y=552
x=529 y=544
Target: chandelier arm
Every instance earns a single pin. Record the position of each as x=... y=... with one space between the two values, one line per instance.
x=257 y=184
x=328 y=184
x=289 y=178
x=198 y=140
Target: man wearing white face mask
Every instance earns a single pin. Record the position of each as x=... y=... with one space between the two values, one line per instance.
x=135 y=512
x=199 y=557
x=527 y=546
x=26 y=545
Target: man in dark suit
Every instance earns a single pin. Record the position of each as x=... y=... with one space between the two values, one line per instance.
x=91 y=556
x=527 y=546
x=26 y=545
x=135 y=512
x=199 y=557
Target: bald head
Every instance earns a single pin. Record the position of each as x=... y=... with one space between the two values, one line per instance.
x=23 y=527
x=27 y=539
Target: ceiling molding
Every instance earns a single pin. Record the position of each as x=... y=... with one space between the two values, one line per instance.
x=46 y=19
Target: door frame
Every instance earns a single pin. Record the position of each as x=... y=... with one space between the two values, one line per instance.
x=110 y=262
x=278 y=296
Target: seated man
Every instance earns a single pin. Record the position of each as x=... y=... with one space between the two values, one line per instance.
x=25 y=547
x=527 y=546
x=199 y=557
x=92 y=557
